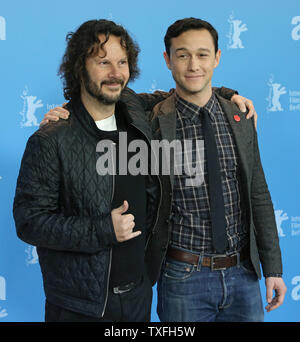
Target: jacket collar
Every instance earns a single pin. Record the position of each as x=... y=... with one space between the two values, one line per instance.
x=165 y=112
x=134 y=114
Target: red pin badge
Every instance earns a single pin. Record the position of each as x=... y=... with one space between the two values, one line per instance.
x=237 y=118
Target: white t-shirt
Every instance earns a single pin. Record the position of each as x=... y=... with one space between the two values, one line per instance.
x=108 y=124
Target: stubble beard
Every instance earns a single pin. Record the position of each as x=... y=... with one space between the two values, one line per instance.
x=95 y=90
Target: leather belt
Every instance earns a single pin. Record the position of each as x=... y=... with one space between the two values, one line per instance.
x=216 y=262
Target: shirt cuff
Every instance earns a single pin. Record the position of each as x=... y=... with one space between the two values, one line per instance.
x=276 y=275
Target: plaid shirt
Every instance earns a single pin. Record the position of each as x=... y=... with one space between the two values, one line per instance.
x=191 y=226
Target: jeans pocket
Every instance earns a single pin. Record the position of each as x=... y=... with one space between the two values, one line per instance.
x=177 y=270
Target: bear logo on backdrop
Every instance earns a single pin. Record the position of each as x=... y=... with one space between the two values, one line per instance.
x=2 y=28
x=3 y=312
x=236 y=28
x=276 y=98
x=275 y=91
x=285 y=229
x=280 y=217
x=30 y=105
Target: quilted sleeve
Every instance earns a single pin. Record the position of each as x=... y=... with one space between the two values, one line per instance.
x=36 y=211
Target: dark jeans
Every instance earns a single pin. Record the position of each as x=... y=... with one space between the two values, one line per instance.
x=188 y=293
x=132 y=306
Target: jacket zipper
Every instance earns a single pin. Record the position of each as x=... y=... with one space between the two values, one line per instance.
x=110 y=252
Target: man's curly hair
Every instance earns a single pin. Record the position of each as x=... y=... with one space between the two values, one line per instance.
x=84 y=43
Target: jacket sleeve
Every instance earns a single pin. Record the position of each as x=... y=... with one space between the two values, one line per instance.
x=226 y=93
x=264 y=218
x=37 y=211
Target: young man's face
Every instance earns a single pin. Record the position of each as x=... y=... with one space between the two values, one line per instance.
x=192 y=61
x=107 y=72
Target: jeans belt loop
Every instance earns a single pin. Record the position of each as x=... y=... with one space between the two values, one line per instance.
x=200 y=262
x=238 y=259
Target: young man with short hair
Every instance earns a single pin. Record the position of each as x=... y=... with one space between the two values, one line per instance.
x=211 y=237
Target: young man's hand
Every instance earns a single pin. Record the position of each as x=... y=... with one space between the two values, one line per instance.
x=55 y=114
x=243 y=103
x=278 y=285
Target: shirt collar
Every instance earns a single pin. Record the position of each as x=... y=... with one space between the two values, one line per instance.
x=191 y=111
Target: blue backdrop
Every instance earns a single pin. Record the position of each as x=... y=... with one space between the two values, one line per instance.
x=260 y=43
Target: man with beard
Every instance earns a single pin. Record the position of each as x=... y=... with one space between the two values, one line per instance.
x=89 y=227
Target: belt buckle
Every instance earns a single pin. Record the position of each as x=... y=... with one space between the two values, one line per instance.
x=212 y=267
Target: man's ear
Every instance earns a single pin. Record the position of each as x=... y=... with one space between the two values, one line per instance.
x=167 y=60
x=218 y=57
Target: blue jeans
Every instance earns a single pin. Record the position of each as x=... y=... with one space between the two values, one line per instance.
x=190 y=293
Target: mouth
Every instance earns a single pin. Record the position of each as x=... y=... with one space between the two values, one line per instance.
x=114 y=87
x=194 y=77
x=113 y=83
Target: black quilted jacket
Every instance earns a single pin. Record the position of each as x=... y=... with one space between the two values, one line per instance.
x=63 y=207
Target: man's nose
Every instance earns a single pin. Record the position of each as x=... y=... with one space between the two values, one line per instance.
x=193 y=64
x=114 y=70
